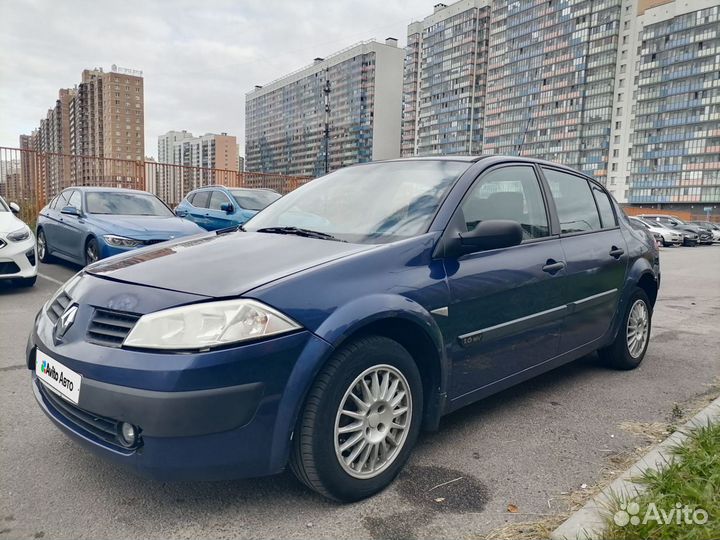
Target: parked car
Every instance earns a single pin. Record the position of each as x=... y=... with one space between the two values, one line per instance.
x=86 y=224
x=666 y=235
x=714 y=228
x=337 y=342
x=218 y=207
x=703 y=236
x=18 y=256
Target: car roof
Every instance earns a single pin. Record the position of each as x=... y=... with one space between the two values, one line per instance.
x=100 y=189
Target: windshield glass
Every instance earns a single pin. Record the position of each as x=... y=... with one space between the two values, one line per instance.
x=250 y=199
x=373 y=203
x=3 y=205
x=125 y=204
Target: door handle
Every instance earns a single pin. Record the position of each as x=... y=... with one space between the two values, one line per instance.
x=552 y=266
x=616 y=252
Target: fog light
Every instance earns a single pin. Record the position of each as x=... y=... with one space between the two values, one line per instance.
x=128 y=434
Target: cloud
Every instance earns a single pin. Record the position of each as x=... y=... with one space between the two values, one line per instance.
x=199 y=58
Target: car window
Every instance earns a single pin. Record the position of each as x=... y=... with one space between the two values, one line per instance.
x=254 y=199
x=201 y=200
x=62 y=200
x=191 y=197
x=508 y=193
x=574 y=202
x=125 y=203
x=217 y=199
x=607 y=216
x=75 y=200
x=372 y=203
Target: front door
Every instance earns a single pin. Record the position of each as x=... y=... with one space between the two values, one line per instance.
x=217 y=217
x=596 y=256
x=70 y=234
x=506 y=305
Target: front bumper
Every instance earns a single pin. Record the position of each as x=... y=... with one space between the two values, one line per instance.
x=18 y=259
x=226 y=413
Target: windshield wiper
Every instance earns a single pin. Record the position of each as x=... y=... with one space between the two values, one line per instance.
x=300 y=232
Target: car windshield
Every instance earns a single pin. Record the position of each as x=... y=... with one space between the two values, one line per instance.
x=3 y=205
x=254 y=199
x=125 y=204
x=373 y=203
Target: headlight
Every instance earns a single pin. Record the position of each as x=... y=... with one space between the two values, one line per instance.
x=121 y=241
x=20 y=234
x=201 y=326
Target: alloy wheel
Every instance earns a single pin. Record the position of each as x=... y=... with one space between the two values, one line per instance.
x=91 y=254
x=637 y=328
x=373 y=421
x=41 y=245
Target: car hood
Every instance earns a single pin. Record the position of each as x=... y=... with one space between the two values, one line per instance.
x=222 y=265
x=9 y=223
x=145 y=227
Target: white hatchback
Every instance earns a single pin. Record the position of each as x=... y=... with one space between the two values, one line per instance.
x=18 y=252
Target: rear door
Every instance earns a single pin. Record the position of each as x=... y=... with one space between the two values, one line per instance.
x=506 y=306
x=595 y=254
x=197 y=212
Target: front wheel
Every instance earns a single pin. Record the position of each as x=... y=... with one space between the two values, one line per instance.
x=42 y=248
x=92 y=252
x=633 y=337
x=360 y=421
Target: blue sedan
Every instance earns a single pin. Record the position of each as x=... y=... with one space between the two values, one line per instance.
x=218 y=207
x=424 y=285
x=86 y=224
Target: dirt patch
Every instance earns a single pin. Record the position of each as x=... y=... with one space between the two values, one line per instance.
x=439 y=489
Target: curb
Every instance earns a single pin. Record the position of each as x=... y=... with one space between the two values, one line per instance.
x=588 y=523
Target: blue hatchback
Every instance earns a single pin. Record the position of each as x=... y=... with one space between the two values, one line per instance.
x=218 y=207
x=85 y=224
x=423 y=286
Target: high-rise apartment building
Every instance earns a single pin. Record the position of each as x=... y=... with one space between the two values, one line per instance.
x=196 y=162
x=103 y=116
x=551 y=72
x=357 y=92
x=444 y=80
x=676 y=135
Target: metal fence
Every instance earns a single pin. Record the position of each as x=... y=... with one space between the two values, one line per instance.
x=31 y=178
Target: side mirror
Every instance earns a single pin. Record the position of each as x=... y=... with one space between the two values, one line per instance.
x=14 y=207
x=491 y=234
x=70 y=211
x=228 y=208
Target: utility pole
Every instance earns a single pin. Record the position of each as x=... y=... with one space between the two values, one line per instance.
x=326 y=91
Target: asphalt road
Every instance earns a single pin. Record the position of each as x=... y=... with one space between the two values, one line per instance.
x=527 y=446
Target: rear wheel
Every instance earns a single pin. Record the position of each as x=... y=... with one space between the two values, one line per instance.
x=92 y=251
x=633 y=337
x=42 y=248
x=360 y=421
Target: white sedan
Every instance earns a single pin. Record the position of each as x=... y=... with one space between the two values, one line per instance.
x=18 y=253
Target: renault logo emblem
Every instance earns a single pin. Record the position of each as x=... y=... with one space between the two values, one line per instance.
x=65 y=321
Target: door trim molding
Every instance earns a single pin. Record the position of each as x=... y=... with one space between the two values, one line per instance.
x=523 y=323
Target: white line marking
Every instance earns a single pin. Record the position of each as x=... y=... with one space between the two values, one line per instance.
x=50 y=279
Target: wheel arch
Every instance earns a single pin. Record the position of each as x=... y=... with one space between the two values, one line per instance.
x=391 y=316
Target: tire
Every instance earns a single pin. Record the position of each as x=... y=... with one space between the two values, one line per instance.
x=621 y=354
x=92 y=251
x=317 y=441
x=27 y=282
x=42 y=248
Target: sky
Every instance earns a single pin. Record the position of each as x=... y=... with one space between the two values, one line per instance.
x=198 y=58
